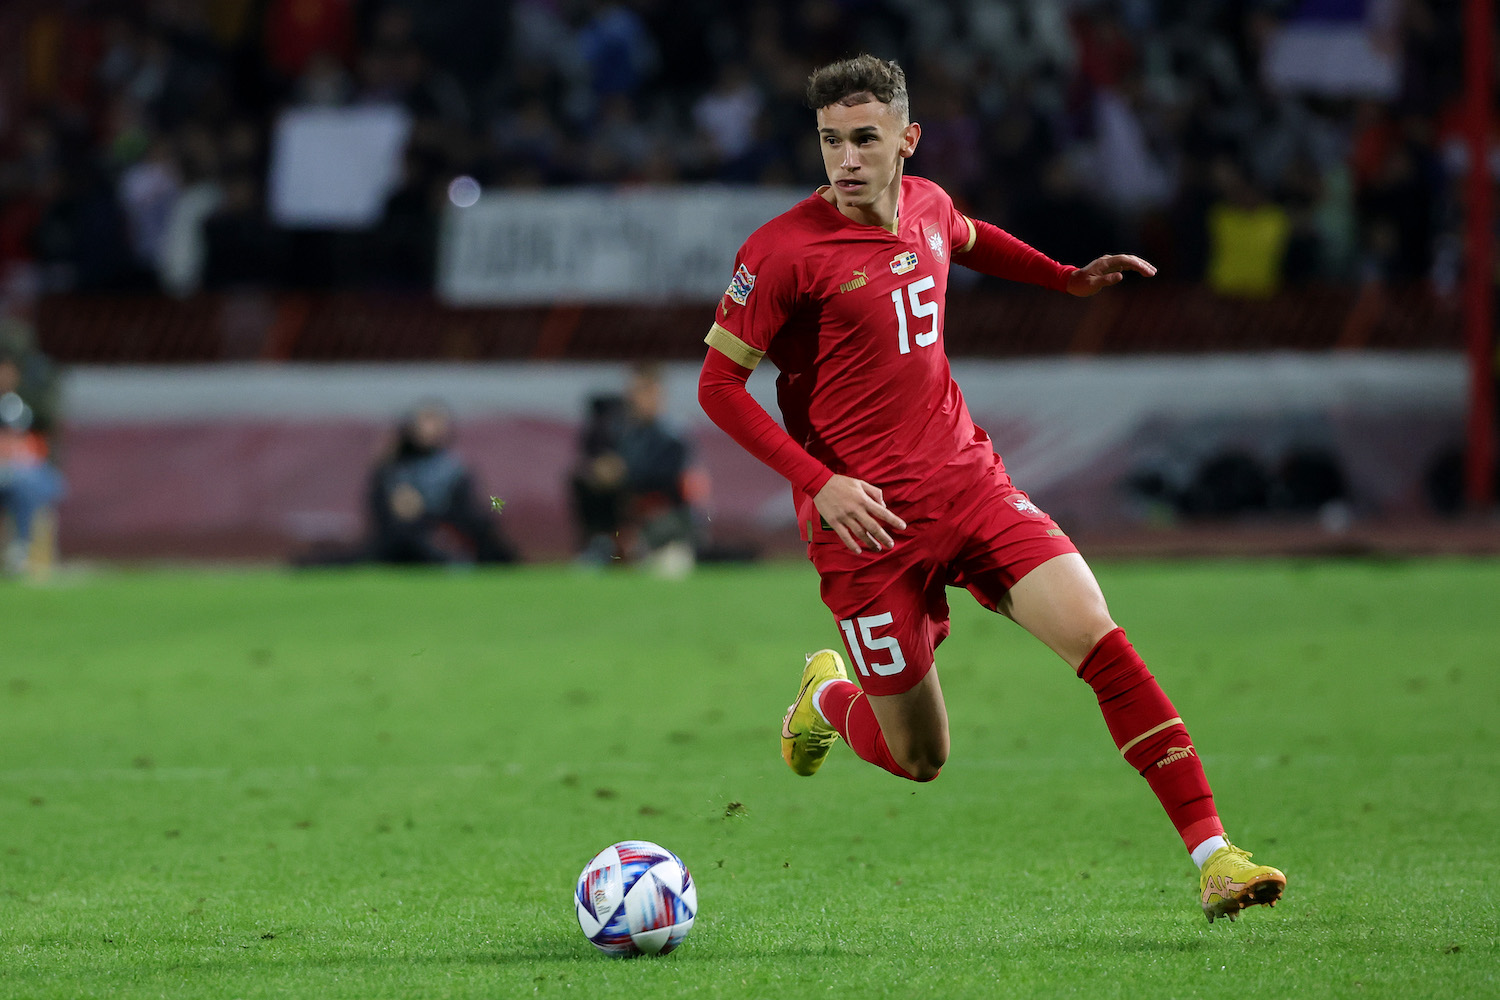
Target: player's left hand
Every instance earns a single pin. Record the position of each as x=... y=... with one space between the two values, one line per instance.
x=856 y=512
x=1105 y=271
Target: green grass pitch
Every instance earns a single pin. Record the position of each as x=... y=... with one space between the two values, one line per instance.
x=366 y=785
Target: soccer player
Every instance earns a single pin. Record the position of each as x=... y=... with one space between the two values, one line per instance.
x=899 y=495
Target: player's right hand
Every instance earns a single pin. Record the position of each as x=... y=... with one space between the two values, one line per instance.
x=857 y=513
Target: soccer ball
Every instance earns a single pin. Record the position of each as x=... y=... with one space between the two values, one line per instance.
x=636 y=898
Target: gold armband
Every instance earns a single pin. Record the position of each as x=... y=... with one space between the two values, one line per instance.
x=733 y=348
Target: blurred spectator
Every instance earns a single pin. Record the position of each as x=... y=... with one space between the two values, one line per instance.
x=324 y=82
x=951 y=141
x=29 y=483
x=1396 y=202
x=632 y=485
x=1247 y=237
x=394 y=68
x=598 y=480
x=148 y=193
x=298 y=30
x=81 y=240
x=1130 y=165
x=422 y=504
x=184 y=246
x=37 y=380
x=240 y=245
x=623 y=146
x=398 y=253
x=1187 y=255
x=727 y=114
x=617 y=50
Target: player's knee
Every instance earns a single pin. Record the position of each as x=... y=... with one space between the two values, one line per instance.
x=925 y=763
x=1075 y=648
x=925 y=771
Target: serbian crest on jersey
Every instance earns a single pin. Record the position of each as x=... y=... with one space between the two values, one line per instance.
x=935 y=241
x=1023 y=505
x=740 y=285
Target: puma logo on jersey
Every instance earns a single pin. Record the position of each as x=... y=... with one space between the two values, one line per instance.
x=859 y=280
x=903 y=262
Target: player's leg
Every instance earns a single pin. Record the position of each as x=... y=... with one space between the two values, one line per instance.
x=906 y=733
x=1017 y=561
x=909 y=729
x=891 y=614
x=1060 y=603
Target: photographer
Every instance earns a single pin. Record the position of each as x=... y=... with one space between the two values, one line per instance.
x=422 y=502
x=632 y=482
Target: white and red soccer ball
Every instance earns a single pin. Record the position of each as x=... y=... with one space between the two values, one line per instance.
x=636 y=898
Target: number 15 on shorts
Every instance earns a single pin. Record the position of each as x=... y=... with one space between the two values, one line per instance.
x=867 y=648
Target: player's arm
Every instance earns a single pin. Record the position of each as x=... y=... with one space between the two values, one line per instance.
x=854 y=509
x=991 y=250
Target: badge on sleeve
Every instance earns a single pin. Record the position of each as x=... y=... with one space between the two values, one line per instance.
x=740 y=285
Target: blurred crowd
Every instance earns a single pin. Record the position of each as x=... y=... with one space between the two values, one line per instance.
x=135 y=136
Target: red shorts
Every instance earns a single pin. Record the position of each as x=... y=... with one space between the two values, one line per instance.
x=892 y=607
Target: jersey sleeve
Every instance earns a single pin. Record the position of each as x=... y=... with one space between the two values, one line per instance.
x=961 y=231
x=722 y=394
x=761 y=296
x=994 y=251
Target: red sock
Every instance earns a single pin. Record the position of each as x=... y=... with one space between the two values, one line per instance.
x=847 y=709
x=1151 y=736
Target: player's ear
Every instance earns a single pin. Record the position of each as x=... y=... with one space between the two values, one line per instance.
x=909 y=137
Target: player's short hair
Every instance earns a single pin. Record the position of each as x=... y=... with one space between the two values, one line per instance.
x=859 y=81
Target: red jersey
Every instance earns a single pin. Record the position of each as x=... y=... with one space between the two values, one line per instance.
x=852 y=316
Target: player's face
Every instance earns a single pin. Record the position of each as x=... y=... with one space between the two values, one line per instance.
x=863 y=146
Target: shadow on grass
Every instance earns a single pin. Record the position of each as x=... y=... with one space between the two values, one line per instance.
x=716 y=952
x=563 y=952
x=1142 y=946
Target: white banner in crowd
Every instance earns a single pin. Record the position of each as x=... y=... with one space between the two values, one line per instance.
x=334 y=167
x=601 y=246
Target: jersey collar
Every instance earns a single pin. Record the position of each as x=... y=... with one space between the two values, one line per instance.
x=822 y=195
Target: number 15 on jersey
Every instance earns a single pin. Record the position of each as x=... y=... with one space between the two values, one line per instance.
x=919 y=310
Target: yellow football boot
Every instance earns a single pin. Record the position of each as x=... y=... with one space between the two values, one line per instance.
x=1230 y=883
x=805 y=737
